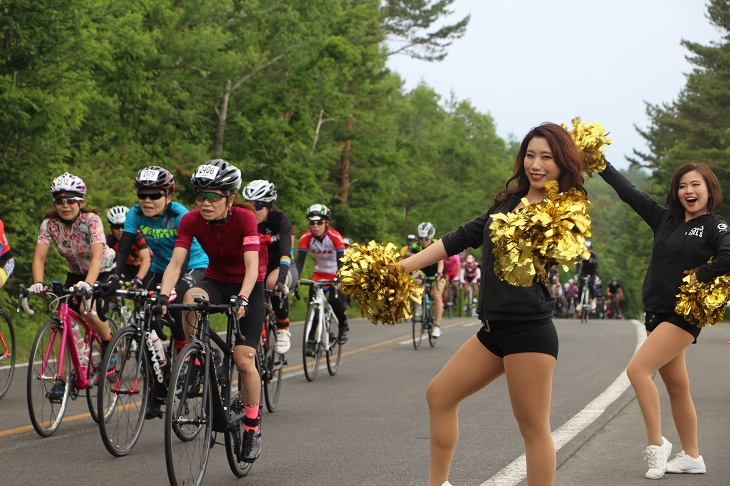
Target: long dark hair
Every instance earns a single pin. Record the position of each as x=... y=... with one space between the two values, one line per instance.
x=565 y=153
x=714 y=191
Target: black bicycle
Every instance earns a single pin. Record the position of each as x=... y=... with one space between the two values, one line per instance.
x=423 y=320
x=204 y=399
x=273 y=362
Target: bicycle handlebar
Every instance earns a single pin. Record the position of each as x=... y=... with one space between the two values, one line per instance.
x=23 y=300
x=319 y=283
x=202 y=305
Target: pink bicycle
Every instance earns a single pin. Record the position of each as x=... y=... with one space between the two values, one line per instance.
x=56 y=370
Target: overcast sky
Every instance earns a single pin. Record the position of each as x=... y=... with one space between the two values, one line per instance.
x=529 y=61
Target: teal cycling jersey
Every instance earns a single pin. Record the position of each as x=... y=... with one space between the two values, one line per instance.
x=161 y=235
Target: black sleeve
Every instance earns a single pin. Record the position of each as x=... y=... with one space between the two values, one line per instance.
x=285 y=231
x=301 y=256
x=125 y=244
x=469 y=235
x=720 y=265
x=648 y=209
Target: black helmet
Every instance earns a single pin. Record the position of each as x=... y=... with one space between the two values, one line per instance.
x=217 y=174
x=319 y=211
x=411 y=239
x=154 y=178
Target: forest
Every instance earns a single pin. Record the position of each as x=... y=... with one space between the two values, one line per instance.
x=299 y=93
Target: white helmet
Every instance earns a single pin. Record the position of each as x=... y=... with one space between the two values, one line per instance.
x=260 y=190
x=117 y=215
x=68 y=185
x=426 y=230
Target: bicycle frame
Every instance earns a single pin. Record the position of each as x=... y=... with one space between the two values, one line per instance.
x=320 y=303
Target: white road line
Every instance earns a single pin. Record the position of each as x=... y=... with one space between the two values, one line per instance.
x=407 y=341
x=472 y=324
x=517 y=470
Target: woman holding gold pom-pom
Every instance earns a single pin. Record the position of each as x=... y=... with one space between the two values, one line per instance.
x=518 y=337
x=686 y=236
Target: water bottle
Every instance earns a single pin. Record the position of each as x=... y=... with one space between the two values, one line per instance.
x=81 y=348
x=218 y=362
x=157 y=344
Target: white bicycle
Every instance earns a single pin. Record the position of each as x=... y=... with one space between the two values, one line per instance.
x=321 y=329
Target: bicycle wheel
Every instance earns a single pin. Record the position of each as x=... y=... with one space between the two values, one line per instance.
x=417 y=326
x=334 y=351
x=93 y=374
x=273 y=364
x=449 y=304
x=431 y=340
x=469 y=298
x=124 y=391
x=188 y=417
x=47 y=397
x=234 y=438
x=7 y=352
x=311 y=351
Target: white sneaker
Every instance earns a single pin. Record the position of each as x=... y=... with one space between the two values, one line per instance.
x=436 y=333
x=283 y=343
x=446 y=484
x=684 y=464
x=657 y=457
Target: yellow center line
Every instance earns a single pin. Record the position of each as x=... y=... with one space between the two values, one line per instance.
x=25 y=428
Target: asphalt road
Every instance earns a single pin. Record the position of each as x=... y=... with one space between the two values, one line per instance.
x=368 y=425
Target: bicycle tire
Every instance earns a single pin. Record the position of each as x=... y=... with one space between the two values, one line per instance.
x=238 y=468
x=93 y=374
x=46 y=415
x=125 y=392
x=334 y=350
x=450 y=299
x=188 y=418
x=310 y=363
x=469 y=298
x=7 y=352
x=273 y=365
x=431 y=340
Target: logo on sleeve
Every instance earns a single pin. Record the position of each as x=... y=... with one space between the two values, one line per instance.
x=722 y=227
x=697 y=231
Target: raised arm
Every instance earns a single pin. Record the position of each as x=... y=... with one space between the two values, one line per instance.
x=647 y=208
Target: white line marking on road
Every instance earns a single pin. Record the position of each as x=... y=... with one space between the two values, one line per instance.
x=517 y=470
x=472 y=324
x=407 y=341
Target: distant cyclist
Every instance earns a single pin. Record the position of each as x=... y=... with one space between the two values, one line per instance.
x=280 y=273
x=140 y=258
x=589 y=268
x=426 y=233
x=7 y=262
x=327 y=247
x=452 y=272
x=471 y=273
x=615 y=295
x=571 y=289
x=407 y=250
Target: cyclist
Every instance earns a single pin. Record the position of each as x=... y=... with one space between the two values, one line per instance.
x=615 y=295
x=139 y=260
x=280 y=274
x=471 y=273
x=157 y=217
x=426 y=232
x=327 y=247
x=78 y=234
x=589 y=268
x=228 y=233
x=452 y=272
x=7 y=262
x=556 y=290
x=408 y=250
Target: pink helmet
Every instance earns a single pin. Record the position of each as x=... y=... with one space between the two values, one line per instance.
x=68 y=185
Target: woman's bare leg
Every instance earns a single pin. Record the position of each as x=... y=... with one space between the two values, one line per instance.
x=662 y=345
x=472 y=368
x=530 y=384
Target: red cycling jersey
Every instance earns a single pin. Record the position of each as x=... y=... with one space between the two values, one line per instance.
x=325 y=251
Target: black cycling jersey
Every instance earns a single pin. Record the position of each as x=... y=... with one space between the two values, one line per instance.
x=431 y=270
x=278 y=225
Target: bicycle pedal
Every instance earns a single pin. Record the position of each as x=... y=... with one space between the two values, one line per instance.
x=284 y=362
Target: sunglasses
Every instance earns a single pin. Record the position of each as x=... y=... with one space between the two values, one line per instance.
x=208 y=196
x=316 y=223
x=116 y=226
x=67 y=200
x=152 y=197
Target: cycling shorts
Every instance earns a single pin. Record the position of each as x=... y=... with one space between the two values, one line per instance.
x=452 y=275
x=510 y=337
x=653 y=320
x=6 y=270
x=250 y=326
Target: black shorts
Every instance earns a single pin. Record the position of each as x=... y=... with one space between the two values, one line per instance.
x=511 y=337
x=73 y=279
x=250 y=326
x=653 y=320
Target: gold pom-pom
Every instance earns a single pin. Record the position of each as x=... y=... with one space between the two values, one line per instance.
x=591 y=140
x=382 y=295
x=528 y=239
x=703 y=303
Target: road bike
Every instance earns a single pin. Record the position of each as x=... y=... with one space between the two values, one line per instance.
x=614 y=307
x=7 y=352
x=321 y=329
x=138 y=382
x=570 y=310
x=273 y=362
x=451 y=299
x=584 y=307
x=423 y=319
x=469 y=301
x=204 y=399
x=117 y=309
x=56 y=369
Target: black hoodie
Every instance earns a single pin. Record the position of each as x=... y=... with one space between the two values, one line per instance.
x=678 y=245
x=499 y=300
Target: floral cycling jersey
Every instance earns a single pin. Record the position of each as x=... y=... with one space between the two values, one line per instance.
x=74 y=242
